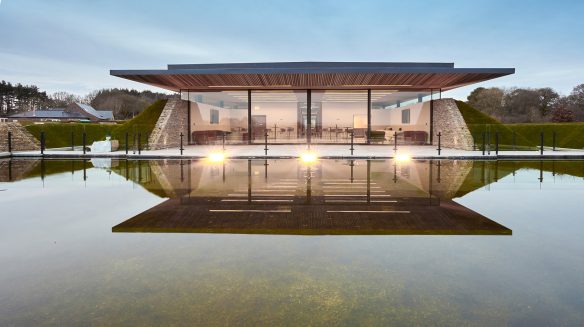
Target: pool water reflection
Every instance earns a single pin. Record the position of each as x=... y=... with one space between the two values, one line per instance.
x=252 y=242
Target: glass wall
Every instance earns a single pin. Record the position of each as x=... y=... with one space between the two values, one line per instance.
x=280 y=114
x=405 y=115
x=215 y=115
x=337 y=114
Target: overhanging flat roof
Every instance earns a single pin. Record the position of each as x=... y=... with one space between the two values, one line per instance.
x=406 y=76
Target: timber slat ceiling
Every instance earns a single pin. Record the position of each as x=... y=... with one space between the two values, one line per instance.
x=396 y=76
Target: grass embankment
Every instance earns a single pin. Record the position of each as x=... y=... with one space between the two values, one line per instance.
x=58 y=135
x=568 y=135
x=527 y=136
x=479 y=122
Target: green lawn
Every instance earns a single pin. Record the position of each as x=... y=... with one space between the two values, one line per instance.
x=58 y=135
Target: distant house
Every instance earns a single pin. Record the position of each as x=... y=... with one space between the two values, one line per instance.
x=73 y=112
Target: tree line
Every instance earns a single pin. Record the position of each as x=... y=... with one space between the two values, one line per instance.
x=529 y=105
x=124 y=103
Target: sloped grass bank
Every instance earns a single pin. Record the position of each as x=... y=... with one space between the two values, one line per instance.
x=479 y=123
x=59 y=135
x=568 y=135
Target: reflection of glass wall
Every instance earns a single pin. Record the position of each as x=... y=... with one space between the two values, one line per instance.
x=280 y=114
x=337 y=114
x=405 y=115
x=214 y=114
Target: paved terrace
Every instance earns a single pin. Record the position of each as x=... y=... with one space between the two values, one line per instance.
x=323 y=151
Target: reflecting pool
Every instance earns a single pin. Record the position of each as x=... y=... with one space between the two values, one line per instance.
x=282 y=242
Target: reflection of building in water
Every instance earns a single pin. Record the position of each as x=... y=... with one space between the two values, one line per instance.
x=329 y=197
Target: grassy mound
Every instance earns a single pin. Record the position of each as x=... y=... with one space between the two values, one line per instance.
x=143 y=123
x=58 y=135
x=479 y=123
x=568 y=135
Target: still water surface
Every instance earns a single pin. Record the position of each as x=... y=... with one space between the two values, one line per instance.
x=277 y=242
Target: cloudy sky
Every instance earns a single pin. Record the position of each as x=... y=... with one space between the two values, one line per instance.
x=70 y=45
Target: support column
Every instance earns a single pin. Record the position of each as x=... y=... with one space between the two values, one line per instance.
x=189 y=136
x=368 y=117
x=431 y=118
x=308 y=116
x=249 y=122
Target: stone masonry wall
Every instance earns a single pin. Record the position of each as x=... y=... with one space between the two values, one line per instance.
x=449 y=122
x=172 y=121
x=22 y=140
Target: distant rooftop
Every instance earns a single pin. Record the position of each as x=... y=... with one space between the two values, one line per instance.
x=47 y=114
x=64 y=113
x=106 y=115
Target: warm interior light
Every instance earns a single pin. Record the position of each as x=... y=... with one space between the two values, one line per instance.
x=216 y=157
x=402 y=157
x=308 y=157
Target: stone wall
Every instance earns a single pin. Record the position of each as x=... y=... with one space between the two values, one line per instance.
x=22 y=140
x=449 y=122
x=172 y=121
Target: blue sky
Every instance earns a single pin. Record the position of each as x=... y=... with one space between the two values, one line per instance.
x=71 y=45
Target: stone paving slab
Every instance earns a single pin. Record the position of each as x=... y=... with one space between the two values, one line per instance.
x=323 y=151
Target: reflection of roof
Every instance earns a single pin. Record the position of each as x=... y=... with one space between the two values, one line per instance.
x=54 y=113
x=211 y=215
x=97 y=113
x=313 y=75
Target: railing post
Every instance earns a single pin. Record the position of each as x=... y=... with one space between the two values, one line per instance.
x=181 y=144
x=489 y=142
x=474 y=143
x=483 y=148
x=554 y=140
x=496 y=143
x=139 y=144
x=541 y=141
x=394 y=141
x=439 y=142
x=42 y=142
x=126 y=143
x=84 y=141
x=352 y=142
x=72 y=141
x=266 y=143
x=514 y=140
x=223 y=141
x=10 y=142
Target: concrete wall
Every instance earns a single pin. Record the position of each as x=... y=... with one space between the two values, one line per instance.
x=385 y=119
x=449 y=121
x=22 y=140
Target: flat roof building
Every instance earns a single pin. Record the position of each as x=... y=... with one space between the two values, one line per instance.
x=314 y=102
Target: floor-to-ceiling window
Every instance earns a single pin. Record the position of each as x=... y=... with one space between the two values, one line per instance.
x=218 y=115
x=282 y=115
x=338 y=115
x=334 y=116
x=401 y=115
